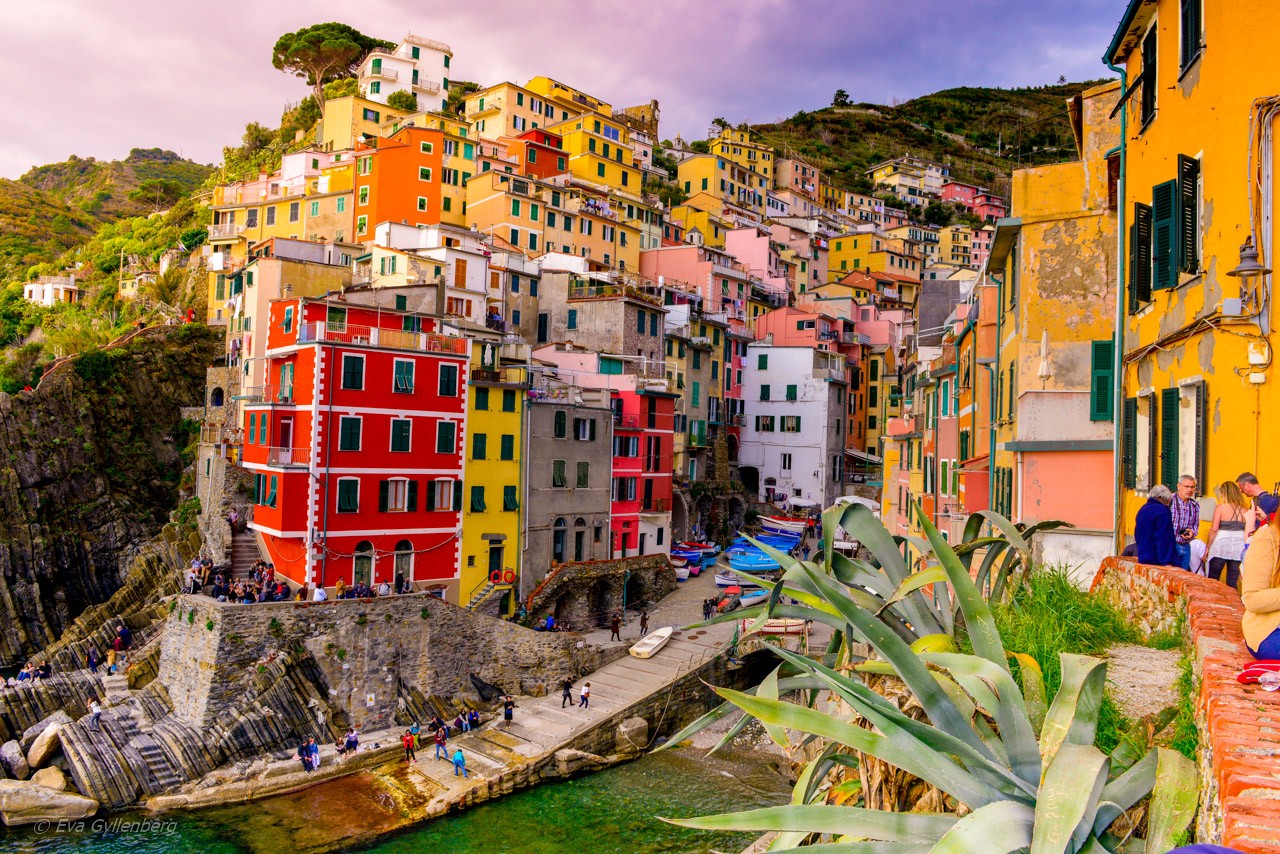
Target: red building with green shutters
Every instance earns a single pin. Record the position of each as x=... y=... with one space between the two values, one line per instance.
x=355 y=445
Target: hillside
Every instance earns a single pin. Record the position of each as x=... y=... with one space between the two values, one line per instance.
x=52 y=208
x=982 y=134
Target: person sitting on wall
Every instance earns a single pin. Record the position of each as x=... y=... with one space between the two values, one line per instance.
x=1153 y=529
x=1260 y=586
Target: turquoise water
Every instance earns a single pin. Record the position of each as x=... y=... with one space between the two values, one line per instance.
x=614 y=810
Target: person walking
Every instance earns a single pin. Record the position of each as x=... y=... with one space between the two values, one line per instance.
x=706 y=609
x=459 y=763
x=116 y=656
x=439 y=736
x=566 y=692
x=508 y=706
x=586 y=695
x=1153 y=529
x=1185 y=511
x=1232 y=525
x=804 y=551
x=644 y=623
x=93 y=659
x=414 y=729
x=410 y=755
x=95 y=714
x=615 y=627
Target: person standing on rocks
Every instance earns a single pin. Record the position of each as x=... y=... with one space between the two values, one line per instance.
x=410 y=756
x=615 y=627
x=440 y=749
x=566 y=692
x=508 y=705
x=586 y=695
x=93 y=659
x=95 y=714
x=460 y=764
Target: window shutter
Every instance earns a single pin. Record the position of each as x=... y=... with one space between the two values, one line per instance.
x=1101 y=407
x=1140 y=257
x=1129 y=446
x=1201 y=408
x=411 y=499
x=1164 y=235
x=383 y=486
x=1153 y=441
x=1190 y=31
x=1188 y=213
x=1169 y=400
x=591 y=431
x=431 y=496
x=457 y=495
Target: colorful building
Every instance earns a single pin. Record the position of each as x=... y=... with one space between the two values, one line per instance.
x=417 y=65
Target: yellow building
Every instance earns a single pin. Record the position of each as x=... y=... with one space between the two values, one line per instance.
x=955 y=245
x=599 y=152
x=702 y=211
x=350 y=119
x=724 y=181
x=1198 y=342
x=493 y=474
x=872 y=252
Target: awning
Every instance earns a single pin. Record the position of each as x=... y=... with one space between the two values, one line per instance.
x=976 y=464
x=860 y=455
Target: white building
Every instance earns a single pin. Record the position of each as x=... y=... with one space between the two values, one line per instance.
x=455 y=259
x=51 y=290
x=417 y=65
x=794 y=432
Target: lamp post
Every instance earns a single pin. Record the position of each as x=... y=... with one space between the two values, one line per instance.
x=1249 y=271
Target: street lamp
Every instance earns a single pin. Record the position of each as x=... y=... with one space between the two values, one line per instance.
x=1249 y=271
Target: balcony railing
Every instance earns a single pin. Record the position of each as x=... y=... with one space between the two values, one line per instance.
x=655 y=505
x=628 y=421
x=288 y=456
x=266 y=394
x=384 y=73
x=372 y=336
x=225 y=229
x=431 y=87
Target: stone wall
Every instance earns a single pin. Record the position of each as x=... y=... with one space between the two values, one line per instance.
x=1239 y=724
x=584 y=595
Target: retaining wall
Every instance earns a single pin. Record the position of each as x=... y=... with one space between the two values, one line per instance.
x=1239 y=725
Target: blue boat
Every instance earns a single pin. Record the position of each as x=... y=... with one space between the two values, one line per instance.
x=751 y=560
x=781 y=542
x=753 y=597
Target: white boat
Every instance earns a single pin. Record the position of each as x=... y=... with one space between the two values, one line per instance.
x=652 y=642
x=779 y=525
x=778 y=626
x=682 y=573
x=730 y=579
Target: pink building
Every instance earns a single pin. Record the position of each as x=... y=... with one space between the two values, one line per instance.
x=981 y=247
x=977 y=200
x=713 y=274
x=798 y=176
x=754 y=247
x=990 y=207
x=960 y=194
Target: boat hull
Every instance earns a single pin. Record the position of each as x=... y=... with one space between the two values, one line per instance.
x=651 y=643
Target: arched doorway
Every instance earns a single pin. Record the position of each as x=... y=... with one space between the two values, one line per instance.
x=404 y=563
x=362 y=563
x=732 y=445
x=579 y=539
x=216 y=396
x=557 y=540
x=750 y=479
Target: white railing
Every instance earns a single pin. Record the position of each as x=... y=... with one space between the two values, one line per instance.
x=372 y=336
x=225 y=229
x=288 y=456
x=429 y=86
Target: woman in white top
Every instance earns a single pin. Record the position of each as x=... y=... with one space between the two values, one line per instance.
x=1232 y=525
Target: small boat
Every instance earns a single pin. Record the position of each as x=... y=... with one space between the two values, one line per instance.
x=778 y=626
x=753 y=597
x=781 y=542
x=694 y=546
x=650 y=644
x=781 y=525
x=729 y=579
x=682 y=573
x=695 y=567
x=751 y=560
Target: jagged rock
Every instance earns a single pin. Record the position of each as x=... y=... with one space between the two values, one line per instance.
x=570 y=762
x=633 y=736
x=45 y=745
x=29 y=734
x=50 y=778
x=15 y=764
x=27 y=803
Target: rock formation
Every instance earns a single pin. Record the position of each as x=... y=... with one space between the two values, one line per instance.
x=25 y=802
x=89 y=469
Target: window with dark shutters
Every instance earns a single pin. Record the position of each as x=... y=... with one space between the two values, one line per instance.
x=1102 y=381
x=1140 y=257
x=1200 y=408
x=1188 y=213
x=1129 y=442
x=1149 y=76
x=1191 y=12
x=1164 y=235
x=1169 y=401
x=1153 y=441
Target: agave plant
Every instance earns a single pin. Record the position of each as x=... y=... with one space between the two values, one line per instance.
x=1015 y=771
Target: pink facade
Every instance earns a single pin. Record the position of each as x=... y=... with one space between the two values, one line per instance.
x=1050 y=487
x=990 y=208
x=977 y=200
x=755 y=249
x=716 y=276
x=960 y=193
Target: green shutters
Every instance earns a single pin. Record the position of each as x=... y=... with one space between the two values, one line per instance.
x=400 y=432
x=431 y=496
x=1169 y=402
x=1140 y=257
x=584 y=475
x=1164 y=236
x=1188 y=209
x=1148 y=103
x=253 y=428
x=446 y=437
x=508 y=400
x=482 y=398
x=1129 y=443
x=349 y=434
x=1102 y=381
x=762 y=362
x=573 y=319
x=457 y=495
x=348 y=495
x=1191 y=12
x=507 y=449
x=697 y=394
x=479 y=445
x=353 y=372
x=509 y=501
x=764 y=392
x=411 y=496
x=403 y=378
x=558 y=477
x=560 y=426
x=791 y=392
x=287 y=325
x=477 y=499
x=384 y=487
x=448 y=380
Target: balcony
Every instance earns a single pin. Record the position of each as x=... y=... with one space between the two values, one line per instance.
x=431 y=87
x=629 y=422
x=384 y=73
x=265 y=394
x=828 y=335
x=655 y=505
x=392 y=339
x=223 y=230
x=288 y=457
x=697 y=439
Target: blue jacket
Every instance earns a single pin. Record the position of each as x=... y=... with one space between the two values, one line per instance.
x=1153 y=534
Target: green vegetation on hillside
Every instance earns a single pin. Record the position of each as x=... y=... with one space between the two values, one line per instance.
x=982 y=134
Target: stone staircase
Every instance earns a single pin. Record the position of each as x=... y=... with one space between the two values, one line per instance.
x=481 y=595
x=115 y=688
x=244 y=551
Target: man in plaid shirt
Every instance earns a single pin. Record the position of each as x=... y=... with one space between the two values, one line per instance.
x=1186 y=519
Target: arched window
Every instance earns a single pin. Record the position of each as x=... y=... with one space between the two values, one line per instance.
x=362 y=563
x=216 y=396
x=404 y=562
x=579 y=522
x=557 y=541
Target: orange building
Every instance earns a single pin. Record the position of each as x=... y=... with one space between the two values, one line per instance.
x=540 y=153
x=399 y=179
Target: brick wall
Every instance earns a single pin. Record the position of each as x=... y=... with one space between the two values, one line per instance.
x=1239 y=724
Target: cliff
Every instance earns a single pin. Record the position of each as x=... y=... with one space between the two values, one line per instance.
x=90 y=464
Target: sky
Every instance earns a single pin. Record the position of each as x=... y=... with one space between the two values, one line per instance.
x=97 y=78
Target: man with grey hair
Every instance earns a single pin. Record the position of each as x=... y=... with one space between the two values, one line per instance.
x=1186 y=519
x=1153 y=529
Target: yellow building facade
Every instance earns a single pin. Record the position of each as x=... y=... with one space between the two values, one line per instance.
x=1197 y=373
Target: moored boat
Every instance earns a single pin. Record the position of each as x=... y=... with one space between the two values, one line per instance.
x=652 y=642
x=778 y=626
x=682 y=573
x=781 y=525
x=751 y=560
x=730 y=579
x=753 y=597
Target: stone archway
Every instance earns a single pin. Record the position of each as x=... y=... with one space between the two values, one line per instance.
x=680 y=521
